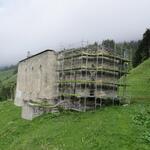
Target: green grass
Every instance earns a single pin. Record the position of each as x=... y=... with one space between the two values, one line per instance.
x=139 y=82
x=111 y=128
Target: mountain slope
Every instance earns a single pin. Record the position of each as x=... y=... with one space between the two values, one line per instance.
x=7 y=83
x=139 y=82
x=5 y=74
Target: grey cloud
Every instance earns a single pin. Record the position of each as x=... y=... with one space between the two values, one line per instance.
x=35 y=25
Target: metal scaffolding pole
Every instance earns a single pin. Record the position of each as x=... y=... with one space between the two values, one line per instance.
x=100 y=64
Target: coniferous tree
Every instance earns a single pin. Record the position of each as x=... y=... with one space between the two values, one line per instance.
x=109 y=44
x=143 y=51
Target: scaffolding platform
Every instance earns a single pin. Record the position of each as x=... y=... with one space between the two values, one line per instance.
x=89 y=78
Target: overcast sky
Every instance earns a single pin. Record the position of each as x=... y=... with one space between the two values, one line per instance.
x=36 y=25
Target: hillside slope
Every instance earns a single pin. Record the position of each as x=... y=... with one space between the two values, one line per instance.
x=117 y=127
x=6 y=74
x=139 y=82
x=7 y=83
x=109 y=128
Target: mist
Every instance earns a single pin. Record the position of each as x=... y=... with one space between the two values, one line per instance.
x=36 y=25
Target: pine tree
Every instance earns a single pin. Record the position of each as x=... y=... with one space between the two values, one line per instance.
x=109 y=44
x=143 y=51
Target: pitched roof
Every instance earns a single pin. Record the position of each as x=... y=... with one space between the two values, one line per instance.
x=48 y=50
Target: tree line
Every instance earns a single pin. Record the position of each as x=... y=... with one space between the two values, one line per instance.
x=137 y=51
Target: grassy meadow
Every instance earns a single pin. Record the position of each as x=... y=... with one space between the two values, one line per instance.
x=108 y=128
x=115 y=127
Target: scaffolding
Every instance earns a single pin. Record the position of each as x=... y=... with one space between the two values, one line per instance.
x=89 y=77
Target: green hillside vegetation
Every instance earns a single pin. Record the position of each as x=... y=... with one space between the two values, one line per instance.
x=6 y=74
x=109 y=128
x=139 y=82
x=116 y=127
x=7 y=83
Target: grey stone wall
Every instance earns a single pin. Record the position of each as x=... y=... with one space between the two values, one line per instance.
x=36 y=79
